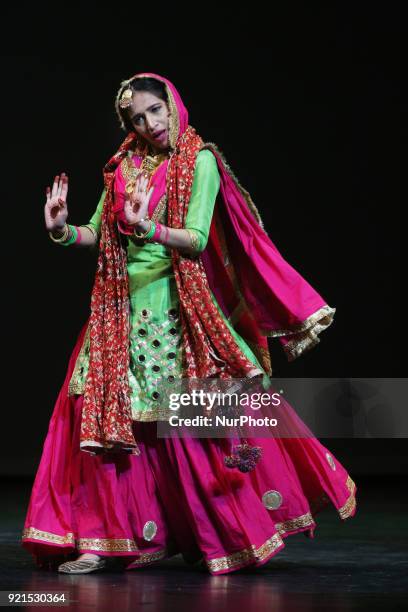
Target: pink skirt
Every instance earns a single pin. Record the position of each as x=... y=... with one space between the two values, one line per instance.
x=175 y=497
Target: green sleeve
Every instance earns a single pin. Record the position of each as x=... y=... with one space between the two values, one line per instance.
x=206 y=184
x=96 y=218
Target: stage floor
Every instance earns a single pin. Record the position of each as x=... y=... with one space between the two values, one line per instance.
x=358 y=564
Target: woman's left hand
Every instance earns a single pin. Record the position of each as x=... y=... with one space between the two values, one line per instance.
x=137 y=203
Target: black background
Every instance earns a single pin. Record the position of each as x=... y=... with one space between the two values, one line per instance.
x=308 y=109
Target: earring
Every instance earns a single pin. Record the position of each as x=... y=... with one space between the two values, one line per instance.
x=126 y=98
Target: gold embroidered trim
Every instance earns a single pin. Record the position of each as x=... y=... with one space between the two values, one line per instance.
x=159 y=211
x=107 y=544
x=174 y=120
x=46 y=536
x=306 y=520
x=323 y=316
x=76 y=387
x=101 y=544
x=151 y=557
x=305 y=335
x=130 y=172
x=246 y=555
x=193 y=239
x=77 y=381
x=159 y=414
x=348 y=508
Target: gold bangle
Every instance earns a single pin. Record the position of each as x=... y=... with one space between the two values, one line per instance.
x=193 y=239
x=92 y=230
x=64 y=237
x=144 y=233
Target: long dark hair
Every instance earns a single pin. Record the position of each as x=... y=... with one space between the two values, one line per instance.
x=149 y=84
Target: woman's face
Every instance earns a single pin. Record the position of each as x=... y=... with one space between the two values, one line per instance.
x=149 y=116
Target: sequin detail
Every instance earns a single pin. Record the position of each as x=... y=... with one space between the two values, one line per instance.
x=155 y=351
x=272 y=499
x=149 y=530
x=330 y=461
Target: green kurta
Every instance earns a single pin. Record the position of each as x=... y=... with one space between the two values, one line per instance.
x=155 y=339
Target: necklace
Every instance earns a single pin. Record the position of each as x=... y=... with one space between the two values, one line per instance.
x=148 y=166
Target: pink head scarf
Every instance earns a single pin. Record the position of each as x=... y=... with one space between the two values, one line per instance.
x=179 y=123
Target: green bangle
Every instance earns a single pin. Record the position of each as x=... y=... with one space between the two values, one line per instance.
x=72 y=239
x=151 y=231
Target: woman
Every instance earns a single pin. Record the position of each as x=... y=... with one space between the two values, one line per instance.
x=188 y=285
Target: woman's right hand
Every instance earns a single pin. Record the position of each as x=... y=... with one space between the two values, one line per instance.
x=55 y=210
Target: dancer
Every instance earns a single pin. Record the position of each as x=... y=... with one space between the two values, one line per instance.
x=188 y=285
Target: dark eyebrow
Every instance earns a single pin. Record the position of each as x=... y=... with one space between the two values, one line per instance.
x=140 y=114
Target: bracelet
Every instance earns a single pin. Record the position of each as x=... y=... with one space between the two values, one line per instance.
x=148 y=233
x=157 y=233
x=92 y=230
x=79 y=237
x=73 y=237
x=151 y=231
x=63 y=237
x=69 y=236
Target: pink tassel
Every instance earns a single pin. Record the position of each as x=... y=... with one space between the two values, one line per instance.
x=244 y=457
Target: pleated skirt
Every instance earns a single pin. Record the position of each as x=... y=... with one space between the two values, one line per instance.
x=176 y=497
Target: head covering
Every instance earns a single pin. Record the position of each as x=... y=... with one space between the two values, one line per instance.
x=254 y=286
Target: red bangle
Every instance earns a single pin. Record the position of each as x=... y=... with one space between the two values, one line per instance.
x=78 y=238
x=156 y=235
